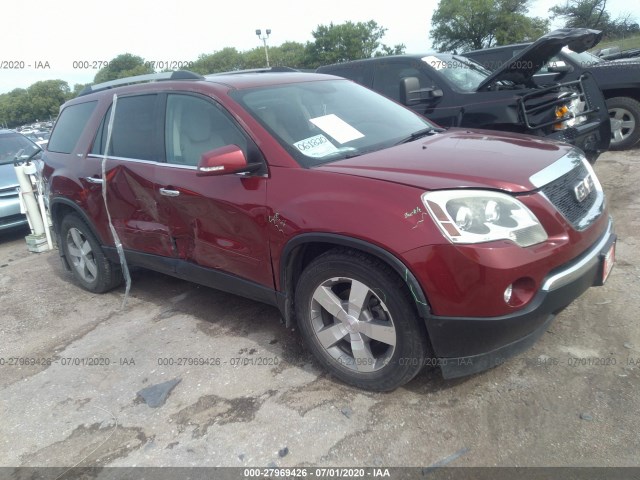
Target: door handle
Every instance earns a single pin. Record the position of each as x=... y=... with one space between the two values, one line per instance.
x=169 y=193
x=94 y=180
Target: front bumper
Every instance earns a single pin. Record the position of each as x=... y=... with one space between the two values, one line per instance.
x=10 y=215
x=466 y=345
x=592 y=138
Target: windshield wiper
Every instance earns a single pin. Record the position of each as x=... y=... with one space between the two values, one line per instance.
x=419 y=134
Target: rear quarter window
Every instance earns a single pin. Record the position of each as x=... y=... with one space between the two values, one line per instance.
x=69 y=127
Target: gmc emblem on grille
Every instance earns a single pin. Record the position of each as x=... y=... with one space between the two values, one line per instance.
x=583 y=188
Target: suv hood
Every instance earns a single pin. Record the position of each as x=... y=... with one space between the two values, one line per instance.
x=522 y=67
x=458 y=158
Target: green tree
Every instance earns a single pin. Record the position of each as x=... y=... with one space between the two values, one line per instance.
x=77 y=88
x=347 y=41
x=14 y=108
x=122 y=66
x=226 y=60
x=460 y=25
x=583 y=13
x=255 y=57
x=39 y=101
x=594 y=14
x=46 y=97
x=289 y=54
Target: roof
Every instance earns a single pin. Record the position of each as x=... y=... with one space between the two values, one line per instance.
x=233 y=79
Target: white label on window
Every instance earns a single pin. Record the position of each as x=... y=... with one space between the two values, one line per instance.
x=337 y=128
x=317 y=146
x=434 y=62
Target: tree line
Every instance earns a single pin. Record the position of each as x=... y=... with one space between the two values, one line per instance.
x=456 y=26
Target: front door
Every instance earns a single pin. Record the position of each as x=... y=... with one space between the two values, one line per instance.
x=215 y=222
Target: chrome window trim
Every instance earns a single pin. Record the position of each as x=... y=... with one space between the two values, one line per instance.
x=151 y=162
x=576 y=270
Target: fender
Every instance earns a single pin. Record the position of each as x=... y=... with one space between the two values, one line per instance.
x=55 y=204
x=289 y=256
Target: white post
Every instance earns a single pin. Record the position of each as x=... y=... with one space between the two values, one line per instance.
x=29 y=198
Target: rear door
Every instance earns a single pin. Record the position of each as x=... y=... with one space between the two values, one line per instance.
x=136 y=147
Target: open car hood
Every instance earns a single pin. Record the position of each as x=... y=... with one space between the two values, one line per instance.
x=520 y=68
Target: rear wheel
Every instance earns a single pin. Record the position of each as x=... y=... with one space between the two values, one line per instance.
x=625 y=122
x=89 y=265
x=357 y=317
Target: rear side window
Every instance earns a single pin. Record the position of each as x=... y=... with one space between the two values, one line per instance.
x=135 y=129
x=69 y=127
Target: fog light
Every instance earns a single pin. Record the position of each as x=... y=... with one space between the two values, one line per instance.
x=507 y=294
x=520 y=292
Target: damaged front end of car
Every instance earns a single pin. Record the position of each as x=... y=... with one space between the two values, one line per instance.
x=573 y=112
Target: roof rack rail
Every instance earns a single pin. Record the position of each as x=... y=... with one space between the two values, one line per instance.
x=257 y=70
x=151 y=77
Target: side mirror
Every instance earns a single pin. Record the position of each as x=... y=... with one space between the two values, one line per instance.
x=224 y=161
x=412 y=94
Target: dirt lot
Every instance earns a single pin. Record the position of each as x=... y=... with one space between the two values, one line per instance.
x=539 y=409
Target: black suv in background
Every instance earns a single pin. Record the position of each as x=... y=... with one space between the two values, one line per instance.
x=455 y=91
x=619 y=81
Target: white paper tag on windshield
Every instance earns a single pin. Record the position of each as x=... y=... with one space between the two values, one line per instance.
x=317 y=146
x=337 y=128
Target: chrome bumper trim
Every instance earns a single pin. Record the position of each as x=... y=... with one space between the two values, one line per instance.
x=573 y=272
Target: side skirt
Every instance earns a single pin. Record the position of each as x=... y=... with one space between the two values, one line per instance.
x=204 y=276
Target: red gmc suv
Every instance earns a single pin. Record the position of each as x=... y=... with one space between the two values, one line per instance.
x=390 y=242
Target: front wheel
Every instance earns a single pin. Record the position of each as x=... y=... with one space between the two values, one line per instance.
x=357 y=317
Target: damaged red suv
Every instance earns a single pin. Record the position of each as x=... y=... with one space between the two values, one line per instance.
x=390 y=242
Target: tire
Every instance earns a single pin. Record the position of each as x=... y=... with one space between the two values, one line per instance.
x=339 y=281
x=89 y=265
x=625 y=122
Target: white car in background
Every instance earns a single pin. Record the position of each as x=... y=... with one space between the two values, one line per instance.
x=11 y=144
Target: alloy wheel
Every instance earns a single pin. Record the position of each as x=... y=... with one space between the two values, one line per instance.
x=353 y=324
x=82 y=257
x=623 y=124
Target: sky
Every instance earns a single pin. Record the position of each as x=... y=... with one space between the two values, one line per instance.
x=58 y=39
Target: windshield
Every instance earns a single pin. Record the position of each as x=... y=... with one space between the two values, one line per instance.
x=12 y=143
x=324 y=121
x=464 y=74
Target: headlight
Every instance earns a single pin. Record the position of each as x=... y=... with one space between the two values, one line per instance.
x=568 y=115
x=476 y=216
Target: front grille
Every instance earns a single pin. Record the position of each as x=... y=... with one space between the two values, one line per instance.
x=562 y=195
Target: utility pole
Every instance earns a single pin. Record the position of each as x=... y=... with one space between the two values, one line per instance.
x=264 y=40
